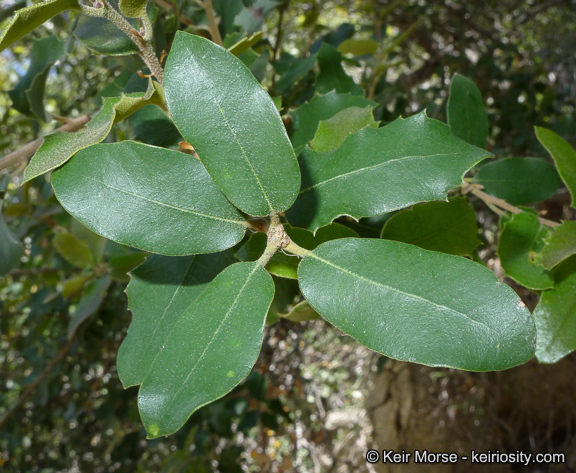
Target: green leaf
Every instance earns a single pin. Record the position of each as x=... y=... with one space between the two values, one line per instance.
x=301 y=312
x=560 y=244
x=104 y=37
x=418 y=305
x=28 y=19
x=555 y=316
x=251 y=19
x=59 y=147
x=333 y=132
x=151 y=126
x=10 y=249
x=448 y=227
x=91 y=299
x=379 y=170
x=233 y=125
x=159 y=294
x=285 y=265
x=358 y=47
x=307 y=118
x=519 y=181
x=292 y=69
x=245 y=44
x=73 y=250
x=150 y=198
x=28 y=94
x=133 y=8
x=210 y=349
x=466 y=113
x=285 y=292
x=332 y=75
x=522 y=237
x=564 y=156
x=121 y=265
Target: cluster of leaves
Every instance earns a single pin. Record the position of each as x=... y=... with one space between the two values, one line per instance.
x=200 y=302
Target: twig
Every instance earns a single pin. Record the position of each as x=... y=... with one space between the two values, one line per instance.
x=32 y=386
x=147 y=53
x=488 y=199
x=214 y=31
x=27 y=151
x=167 y=7
x=276 y=47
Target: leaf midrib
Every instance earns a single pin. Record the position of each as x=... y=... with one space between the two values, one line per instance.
x=147 y=199
x=244 y=154
x=369 y=168
x=398 y=291
x=214 y=335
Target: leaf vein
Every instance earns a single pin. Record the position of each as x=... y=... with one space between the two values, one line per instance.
x=398 y=291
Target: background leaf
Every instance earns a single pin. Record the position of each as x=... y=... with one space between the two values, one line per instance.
x=73 y=250
x=307 y=118
x=210 y=349
x=466 y=113
x=103 y=37
x=28 y=94
x=90 y=301
x=555 y=315
x=560 y=244
x=418 y=305
x=332 y=75
x=28 y=19
x=133 y=8
x=358 y=47
x=379 y=170
x=333 y=132
x=564 y=156
x=159 y=293
x=11 y=249
x=252 y=160
x=301 y=312
x=448 y=227
x=59 y=147
x=520 y=239
x=519 y=181
x=150 y=198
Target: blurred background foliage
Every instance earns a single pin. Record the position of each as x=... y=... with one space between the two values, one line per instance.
x=62 y=303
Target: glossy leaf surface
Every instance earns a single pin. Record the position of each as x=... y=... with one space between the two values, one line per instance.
x=28 y=19
x=379 y=170
x=150 y=198
x=555 y=315
x=333 y=132
x=307 y=118
x=418 y=305
x=519 y=181
x=522 y=237
x=159 y=293
x=59 y=147
x=448 y=227
x=564 y=156
x=210 y=349
x=560 y=244
x=466 y=113
x=233 y=125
